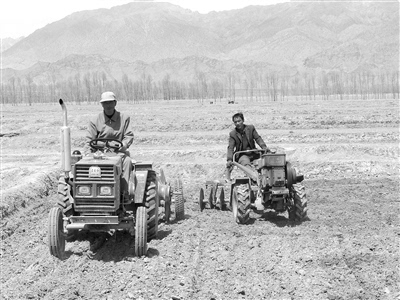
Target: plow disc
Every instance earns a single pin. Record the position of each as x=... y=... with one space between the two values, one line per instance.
x=212 y=196
x=171 y=195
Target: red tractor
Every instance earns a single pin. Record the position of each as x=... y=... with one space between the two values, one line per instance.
x=270 y=183
x=90 y=196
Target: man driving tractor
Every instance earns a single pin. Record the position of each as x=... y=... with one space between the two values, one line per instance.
x=111 y=124
x=242 y=138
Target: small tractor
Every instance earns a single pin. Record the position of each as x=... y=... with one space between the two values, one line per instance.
x=270 y=183
x=91 y=199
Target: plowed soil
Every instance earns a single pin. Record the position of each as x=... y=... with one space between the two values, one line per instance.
x=347 y=249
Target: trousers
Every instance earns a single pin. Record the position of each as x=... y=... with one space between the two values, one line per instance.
x=244 y=160
x=126 y=172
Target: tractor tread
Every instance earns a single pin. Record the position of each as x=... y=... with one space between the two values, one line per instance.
x=151 y=205
x=244 y=204
x=299 y=211
x=64 y=198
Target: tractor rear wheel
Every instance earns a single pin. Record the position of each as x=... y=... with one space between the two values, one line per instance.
x=179 y=200
x=64 y=197
x=164 y=207
x=152 y=204
x=56 y=233
x=298 y=212
x=241 y=204
x=141 y=231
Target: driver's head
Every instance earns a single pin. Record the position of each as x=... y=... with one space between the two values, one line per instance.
x=108 y=101
x=238 y=120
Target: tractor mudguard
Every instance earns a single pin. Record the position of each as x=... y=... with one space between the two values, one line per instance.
x=141 y=178
x=292 y=176
x=241 y=180
x=237 y=181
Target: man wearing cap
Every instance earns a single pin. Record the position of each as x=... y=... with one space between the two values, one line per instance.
x=111 y=124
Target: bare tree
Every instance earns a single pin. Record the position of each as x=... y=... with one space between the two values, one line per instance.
x=166 y=87
x=28 y=87
x=12 y=82
x=274 y=86
x=395 y=84
x=78 y=88
x=88 y=86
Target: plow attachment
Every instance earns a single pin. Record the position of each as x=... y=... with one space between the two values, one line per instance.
x=171 y=196
x=212 y=195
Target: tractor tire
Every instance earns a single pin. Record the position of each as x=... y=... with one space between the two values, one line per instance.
x=56 y=237
x=141 y=231
x=179 y=201
x=298 y=212
x=167 y=211
x=211 y=198
x=222 y=204
x=164 y=207
x=64 y=197
x=152 y=205
x=201 y=199
x=241 y=204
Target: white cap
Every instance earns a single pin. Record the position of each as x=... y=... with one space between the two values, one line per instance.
x=108 y=96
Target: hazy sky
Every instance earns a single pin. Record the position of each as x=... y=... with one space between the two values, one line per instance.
x=22 y=17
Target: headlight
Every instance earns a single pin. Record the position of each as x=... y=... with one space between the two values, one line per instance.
x=84 y=190
x=106 y=190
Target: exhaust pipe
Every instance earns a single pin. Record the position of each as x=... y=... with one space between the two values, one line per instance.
x=65 y=142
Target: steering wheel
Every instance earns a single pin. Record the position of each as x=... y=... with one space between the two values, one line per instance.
x=106 y=144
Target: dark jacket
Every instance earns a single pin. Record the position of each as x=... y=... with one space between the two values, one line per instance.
x=235 y=140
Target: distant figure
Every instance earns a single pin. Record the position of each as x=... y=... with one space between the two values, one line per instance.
x=242 y=138
x=111 y=124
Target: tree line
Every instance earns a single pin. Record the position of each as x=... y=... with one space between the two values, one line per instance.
x=258 y=86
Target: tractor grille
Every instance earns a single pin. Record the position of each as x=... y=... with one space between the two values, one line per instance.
x=82 y=173
x=94 y=202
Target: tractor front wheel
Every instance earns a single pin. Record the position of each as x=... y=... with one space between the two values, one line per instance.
x=64 y=197
x=141 y=231
x=298 y=212
x=241 y=204
x=56 y=234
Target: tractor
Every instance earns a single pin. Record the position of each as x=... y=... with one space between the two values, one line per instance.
x=90 y=196
x=270 y=183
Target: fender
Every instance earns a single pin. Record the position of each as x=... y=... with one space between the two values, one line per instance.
x=292 y=176
x=141 y=178
x=236 y=181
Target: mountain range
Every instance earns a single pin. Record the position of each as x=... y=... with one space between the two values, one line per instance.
x=161 y=38
x=9 y=42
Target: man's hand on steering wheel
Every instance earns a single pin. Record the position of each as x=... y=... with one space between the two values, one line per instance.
x=122 y=148
x=106 y=144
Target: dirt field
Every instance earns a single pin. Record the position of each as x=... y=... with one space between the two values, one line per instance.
x=348 y=249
